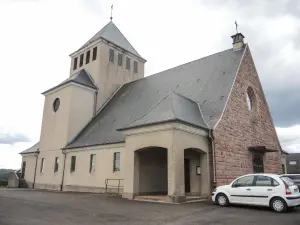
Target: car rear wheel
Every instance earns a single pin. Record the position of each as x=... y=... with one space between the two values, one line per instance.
x=222 y=200
x=278 y=205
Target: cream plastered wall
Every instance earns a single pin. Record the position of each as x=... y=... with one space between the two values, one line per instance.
x=30 y=168
x=58 y=128
x=75 y=111
x=175 y=137
x=108 y=76
x=82 y=177
x=48 y=179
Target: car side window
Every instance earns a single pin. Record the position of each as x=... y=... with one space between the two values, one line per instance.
x=244 y=182
x=265 y=181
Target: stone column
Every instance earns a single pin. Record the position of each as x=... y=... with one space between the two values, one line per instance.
x=176 y=185
x=205 y=175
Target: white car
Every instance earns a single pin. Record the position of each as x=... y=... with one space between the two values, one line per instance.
x=275 y=191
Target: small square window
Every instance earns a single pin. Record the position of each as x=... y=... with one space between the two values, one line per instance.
x=135 y=67
x=92 y=163
x=81 y=60
x=127 y=63
x=56 y=164
x=94 y=53
x=73 y=163
x=42 y=165
x=87 y=57
x=111 y=55
x=75 y=63
x=120 y=59
x=116 y=162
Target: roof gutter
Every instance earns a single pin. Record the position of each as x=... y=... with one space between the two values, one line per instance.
x=210 y=135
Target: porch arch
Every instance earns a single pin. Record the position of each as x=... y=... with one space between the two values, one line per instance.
x=151 y=171
x=196 y=172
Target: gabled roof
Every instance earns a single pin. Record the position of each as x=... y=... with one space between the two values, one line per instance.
x=111 y=33
x=206 y=81
x=81 y=77
x=32 y=149
x=172 y=107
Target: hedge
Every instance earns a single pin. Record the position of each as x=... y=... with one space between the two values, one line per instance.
x=3 y=183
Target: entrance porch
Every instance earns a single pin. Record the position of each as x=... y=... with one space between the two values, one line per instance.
x=172 y=170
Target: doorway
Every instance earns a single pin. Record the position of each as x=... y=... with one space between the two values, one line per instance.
x=187 y=179
x=152 y=171
x=23 y=169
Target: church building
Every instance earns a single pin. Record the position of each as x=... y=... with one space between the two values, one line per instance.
x=177 y=133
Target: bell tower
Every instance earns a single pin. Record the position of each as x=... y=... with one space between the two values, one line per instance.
x=110 y=60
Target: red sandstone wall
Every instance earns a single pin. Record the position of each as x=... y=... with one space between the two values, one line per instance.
x=239 y=128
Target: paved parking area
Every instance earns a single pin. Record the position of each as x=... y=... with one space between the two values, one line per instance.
x=30 y=207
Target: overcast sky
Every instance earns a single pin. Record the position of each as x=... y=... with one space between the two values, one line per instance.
x=37 y=37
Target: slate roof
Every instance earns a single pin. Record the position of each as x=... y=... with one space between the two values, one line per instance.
x=81 y=77
x=206 y=81
x=111 y=33
x=32 y=149
x=172 y=107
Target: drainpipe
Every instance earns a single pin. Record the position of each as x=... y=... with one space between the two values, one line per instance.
x=210 y=135
x=63 y=172
x=36 y=156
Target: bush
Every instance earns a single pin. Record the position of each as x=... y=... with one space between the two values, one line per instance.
x=3 y=183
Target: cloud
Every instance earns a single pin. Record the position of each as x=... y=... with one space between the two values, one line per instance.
x=12 y=138
x=289 y=138
x=284 y=105
x=178 y=32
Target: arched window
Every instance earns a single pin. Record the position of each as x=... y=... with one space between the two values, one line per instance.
x=258 y=164
x=250 y=98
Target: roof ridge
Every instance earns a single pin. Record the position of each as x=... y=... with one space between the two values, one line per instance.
x=172 y=68
x=151 y=108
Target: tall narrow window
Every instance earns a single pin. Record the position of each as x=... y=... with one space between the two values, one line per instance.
x=135 y=67
x=56 y=164
x=87 y=57
x=111 y=55
x=116 y=162
x=127 y=63
x=75 y=63
x=73 y=163
x=42 y=165
x=250 y=99
x=81 y=60
x=92 y=163
x=120 y=59
x=94 y=53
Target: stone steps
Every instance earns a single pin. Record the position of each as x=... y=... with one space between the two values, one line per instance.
x=22 y=183
x=166 y=199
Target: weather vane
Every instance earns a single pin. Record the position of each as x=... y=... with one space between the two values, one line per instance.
x=111 y=12
x=236 y=26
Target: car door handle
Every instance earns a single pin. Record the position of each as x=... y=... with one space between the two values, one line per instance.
x=248 y=189
x=269 y=189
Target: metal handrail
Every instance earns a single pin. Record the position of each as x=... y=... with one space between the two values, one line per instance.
x=118 y=186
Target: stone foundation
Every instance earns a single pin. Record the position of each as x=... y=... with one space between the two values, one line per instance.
x=52 y=187
x=77 y=188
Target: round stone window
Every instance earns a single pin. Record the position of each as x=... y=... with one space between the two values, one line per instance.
x=56 y=104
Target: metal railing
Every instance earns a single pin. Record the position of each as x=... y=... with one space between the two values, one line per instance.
x=107 y=185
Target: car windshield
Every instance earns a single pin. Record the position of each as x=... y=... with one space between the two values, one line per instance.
x=287 y=181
